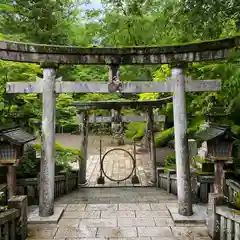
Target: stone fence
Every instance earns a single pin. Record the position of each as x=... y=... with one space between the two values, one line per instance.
x=13 y=221
x=233 y=188
x=64 y=183
x=201 y=185
x=223 y=222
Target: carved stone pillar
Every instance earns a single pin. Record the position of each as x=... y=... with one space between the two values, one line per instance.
x=47 y=173
x=181 y=142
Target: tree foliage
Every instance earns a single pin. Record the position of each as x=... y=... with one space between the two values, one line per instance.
x=119 y=23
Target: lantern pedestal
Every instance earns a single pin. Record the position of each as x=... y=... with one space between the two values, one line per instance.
x=11 y=181
x=219 y=175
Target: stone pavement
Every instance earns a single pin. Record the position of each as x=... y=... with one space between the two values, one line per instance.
x=118 y=165
x=117 y=213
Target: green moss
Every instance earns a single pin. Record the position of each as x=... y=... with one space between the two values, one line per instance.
x=235 y=129
x=170 y=167
x=195 y=46
x=135 y=130
x=164 y=137
x=199 y=172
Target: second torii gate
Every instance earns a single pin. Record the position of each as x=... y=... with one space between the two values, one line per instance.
x=178 y=84
x=149 y=118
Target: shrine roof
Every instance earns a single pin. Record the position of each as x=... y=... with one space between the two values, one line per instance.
x=212 y=131
x=16 y=135
x=119 y=104
x=56 y=54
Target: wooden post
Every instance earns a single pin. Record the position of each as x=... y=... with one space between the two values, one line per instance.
x=181 y=143
x=46 y=196
x=83 y=149
x=152 y=144
x=11 y=181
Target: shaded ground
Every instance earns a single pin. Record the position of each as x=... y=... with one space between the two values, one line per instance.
x=117 y=213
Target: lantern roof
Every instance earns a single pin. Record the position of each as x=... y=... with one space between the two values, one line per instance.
x=214 y=130
x=16 y=135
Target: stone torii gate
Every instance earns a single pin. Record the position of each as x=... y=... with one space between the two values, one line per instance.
x=176 y=56
x=84 y=119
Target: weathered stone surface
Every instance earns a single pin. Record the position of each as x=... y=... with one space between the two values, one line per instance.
x=117 y=232
x=181 y=143
x=132 y=238
x=134 y=206
x=82 y=214
x=75 y=207
x=163 y=221
x=102 y=207
x=154 y=232
x=41 y=232
x=69 y=222
x=190 y=232
x=158 y=206
x=34 y=218
x=80 y=232
x=151 y=214
x=102 y=222
x=117 y=214
x=136 y=222
x=199 y=214
x=38 y=53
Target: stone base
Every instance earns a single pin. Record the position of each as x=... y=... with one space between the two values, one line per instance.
x=199 y=215
x=83 y=184
x=34 y=218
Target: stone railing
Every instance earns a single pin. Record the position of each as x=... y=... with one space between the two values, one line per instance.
x=64 y=183
x=201 y=185
x=13 y=222
x=223 y=222
x=232 y=187
x=167 y=181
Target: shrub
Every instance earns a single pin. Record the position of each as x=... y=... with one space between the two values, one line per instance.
x=31 y=166
x=170 y=160
x=135 y=130
x=164 y=137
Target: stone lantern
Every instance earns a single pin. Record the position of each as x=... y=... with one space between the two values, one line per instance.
x=12 y=140
x=219 y=139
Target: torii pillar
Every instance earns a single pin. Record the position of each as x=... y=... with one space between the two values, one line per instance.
x=47 y=172
x=181 y=142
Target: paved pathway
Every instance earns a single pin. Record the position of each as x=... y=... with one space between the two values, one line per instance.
x=119 y=165
x=117 y=213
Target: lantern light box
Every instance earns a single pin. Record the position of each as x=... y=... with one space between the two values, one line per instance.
x=12 y=140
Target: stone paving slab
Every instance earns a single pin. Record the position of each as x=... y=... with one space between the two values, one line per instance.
x=134 y=206
x=136 y=222
x=117 y=214
x=118 y=165
x=117 y=232
x=122 y=219
x=102 y=207
x=75 y=207
x=193 y=232
x=102 y=222
x=81 y=214
x=80 y=232
x=152 y=214
x=154 y=232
